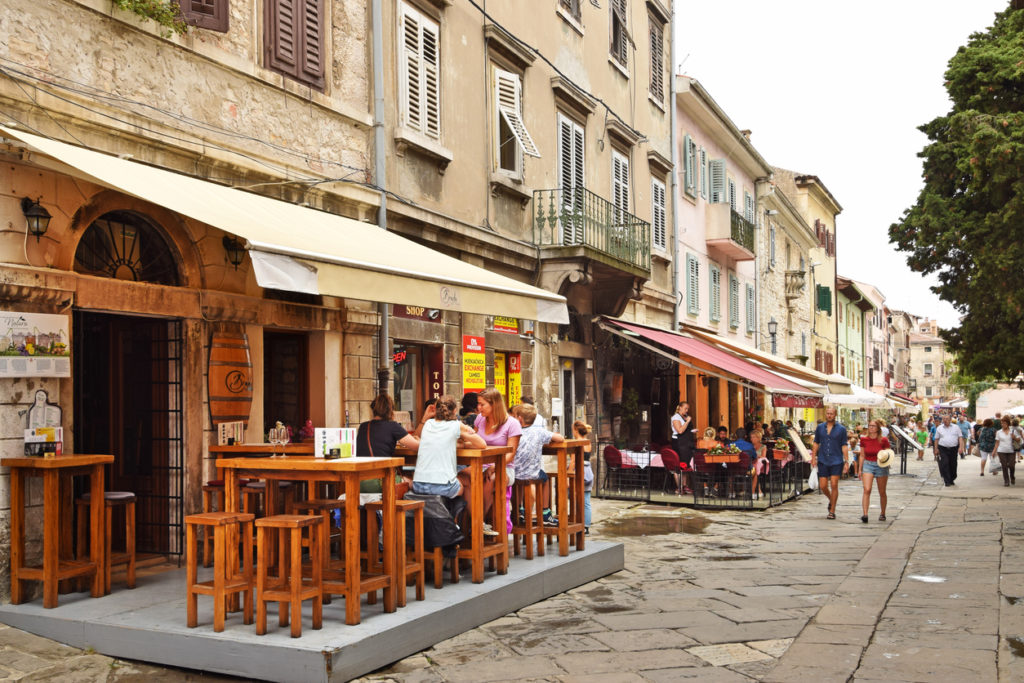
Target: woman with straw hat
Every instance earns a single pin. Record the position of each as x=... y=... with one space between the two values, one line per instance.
x=877 y=454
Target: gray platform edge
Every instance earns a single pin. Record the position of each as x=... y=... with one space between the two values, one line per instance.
x=418 y=626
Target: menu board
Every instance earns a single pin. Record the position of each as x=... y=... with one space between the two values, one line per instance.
x=34 y=345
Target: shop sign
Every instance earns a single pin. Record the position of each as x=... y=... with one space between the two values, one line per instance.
x=431 y=315
x=435 y=368
x=506 y=325
x=796 y=401
x=515 y=379
x=474 y=364
x=499 y=376
x=400 y=355
x=34 y=345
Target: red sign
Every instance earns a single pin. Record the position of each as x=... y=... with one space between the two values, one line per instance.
x=796 y=401
x=898 y=385
x=474 y=368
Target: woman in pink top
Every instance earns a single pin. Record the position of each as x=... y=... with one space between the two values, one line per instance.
x=497 y=428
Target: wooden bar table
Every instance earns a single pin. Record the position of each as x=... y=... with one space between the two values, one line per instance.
x=348 y=472
x=53 y=569
x=569 y=504
x=475 y=459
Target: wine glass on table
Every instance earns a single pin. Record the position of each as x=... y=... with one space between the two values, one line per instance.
x=278 y=436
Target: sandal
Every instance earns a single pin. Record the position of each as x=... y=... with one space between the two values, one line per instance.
x=881 y=518
x=830 y=515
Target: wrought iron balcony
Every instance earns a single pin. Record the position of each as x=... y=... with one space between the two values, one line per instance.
x=729 y=232
x=581 y=219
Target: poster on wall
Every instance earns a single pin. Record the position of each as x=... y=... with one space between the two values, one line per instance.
x=34 y=345
x=515 y=379
x=506 y=325
x=499 y=376
x=474 y=364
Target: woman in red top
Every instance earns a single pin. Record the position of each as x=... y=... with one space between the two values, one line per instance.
x=869 y=447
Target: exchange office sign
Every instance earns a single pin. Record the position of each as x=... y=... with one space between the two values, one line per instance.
x=474 y=364
x=34 y=345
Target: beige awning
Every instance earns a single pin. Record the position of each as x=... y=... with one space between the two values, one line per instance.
x=303 y=249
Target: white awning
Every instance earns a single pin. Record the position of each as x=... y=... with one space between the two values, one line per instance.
x=860 y=398
x=302 y=249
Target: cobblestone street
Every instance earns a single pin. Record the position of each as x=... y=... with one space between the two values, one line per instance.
x=778 y=595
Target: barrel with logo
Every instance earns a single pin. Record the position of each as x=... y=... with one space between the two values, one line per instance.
x=229 y=378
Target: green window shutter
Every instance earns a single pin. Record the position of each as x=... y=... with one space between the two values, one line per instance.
x=715 y=292
x=692 y=285
x=734 y=301
x=702 y=161
x=825 y=299
x=689 y=167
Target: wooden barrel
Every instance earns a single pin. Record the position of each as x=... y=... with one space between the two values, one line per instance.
x=229 y=378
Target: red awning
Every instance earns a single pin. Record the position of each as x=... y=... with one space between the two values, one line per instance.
x=724 y=360
x=783 y=400
x=902 y=397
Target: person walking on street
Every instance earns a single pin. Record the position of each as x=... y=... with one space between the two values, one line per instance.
x=949 y=442
x=986 y=442
x=871 y=470
x=1004 y=449
x=831 y=455
x=965 y=429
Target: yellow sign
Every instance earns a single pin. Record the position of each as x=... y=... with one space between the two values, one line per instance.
x=499 y=376
x=474 y=364
x=507 y=325
x=515 y=379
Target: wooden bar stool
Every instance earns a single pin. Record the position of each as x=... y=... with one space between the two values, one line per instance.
x=528 y=495
x=324 y=508
x=436 y=557
x=288 y=588
x=111 y=499
x=406 y=566
x=227 y=580
x=213 y=501
x=254 y=493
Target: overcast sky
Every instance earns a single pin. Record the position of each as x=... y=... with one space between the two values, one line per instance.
x=837 y=90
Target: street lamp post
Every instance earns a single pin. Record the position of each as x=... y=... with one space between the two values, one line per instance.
x=773 y=329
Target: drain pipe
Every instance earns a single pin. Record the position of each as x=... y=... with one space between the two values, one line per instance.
x=380 y=174
x=675 y=175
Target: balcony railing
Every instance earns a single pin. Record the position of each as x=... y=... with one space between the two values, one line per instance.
x=742 y=231
x=578 y=217
x=795 y=280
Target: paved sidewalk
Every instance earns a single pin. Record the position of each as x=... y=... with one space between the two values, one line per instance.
x=779 y=595
x=934 y=594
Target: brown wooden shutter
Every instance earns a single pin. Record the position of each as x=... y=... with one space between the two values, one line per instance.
x=312 y=67
x=211 y=15
x=281 y=38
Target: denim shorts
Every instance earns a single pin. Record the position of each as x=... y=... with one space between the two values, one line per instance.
x=871 y=467
x=449 y=490
x=830 y=470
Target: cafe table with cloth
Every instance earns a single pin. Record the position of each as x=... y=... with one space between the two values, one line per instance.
x=475 y=459
x=347 y=472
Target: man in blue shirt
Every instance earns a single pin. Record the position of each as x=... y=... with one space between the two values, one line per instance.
x=831 y=456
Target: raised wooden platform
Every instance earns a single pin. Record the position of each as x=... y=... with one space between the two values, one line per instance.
x=148 y=623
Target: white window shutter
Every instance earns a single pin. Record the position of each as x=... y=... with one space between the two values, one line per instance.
x=750 y=308
x=748 y=206
x=771 y=245
x=718 y=188
x=715 y=312
x=570 y=177
x=412 y=69
x=734 y=301
x=658 y=213
x=620 y=182
x=508 y=89
x=431 y=80
x=732 y=194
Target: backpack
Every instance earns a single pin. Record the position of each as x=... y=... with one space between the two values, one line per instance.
x=439 y=526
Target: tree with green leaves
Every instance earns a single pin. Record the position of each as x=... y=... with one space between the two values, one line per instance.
x=967 y=225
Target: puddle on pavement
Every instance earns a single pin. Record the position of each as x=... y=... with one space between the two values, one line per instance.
x=1016 y=646
x=655 y=526
x=926 y=579
x=732 y=558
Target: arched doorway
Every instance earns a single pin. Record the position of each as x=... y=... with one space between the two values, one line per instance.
x=127 y=379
